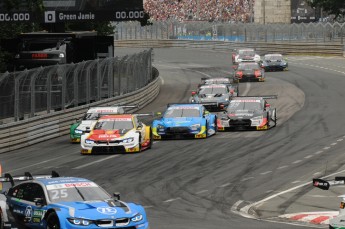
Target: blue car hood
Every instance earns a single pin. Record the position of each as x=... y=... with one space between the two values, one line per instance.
x=98 y=210
x=171 y=122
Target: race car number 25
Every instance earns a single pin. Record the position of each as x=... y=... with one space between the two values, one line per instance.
x=14 y=17
x=129 y=14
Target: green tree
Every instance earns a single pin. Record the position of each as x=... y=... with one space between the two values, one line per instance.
x=332 y=7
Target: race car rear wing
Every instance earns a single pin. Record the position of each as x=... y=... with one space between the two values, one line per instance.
x=261 y=96
x=27 y=176
x=325 y=185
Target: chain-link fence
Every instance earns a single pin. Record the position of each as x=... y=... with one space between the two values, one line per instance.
x=48 y=89
x=236 y=32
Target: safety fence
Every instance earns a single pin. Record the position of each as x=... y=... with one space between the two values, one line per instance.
x=50 y=89
x=233 y=32
x=26 y=132
x=334 y=49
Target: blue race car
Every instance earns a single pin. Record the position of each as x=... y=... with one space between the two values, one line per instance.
x=64 y=202
x=185 y=121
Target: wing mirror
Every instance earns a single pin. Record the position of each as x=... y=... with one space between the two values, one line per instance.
x=116 y=195
x=39 y=202
x=268 y=105
x=87 y=130
x=193 y=92
x=140 y=126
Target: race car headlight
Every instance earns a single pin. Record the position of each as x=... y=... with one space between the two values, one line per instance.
x=87 y=141
x=137 y=218
x=256 y=121
x=61 y=55
x=79 y=222
x=160 y=127
x=78 y=131
x=226 y=99
x=195 y=126
x=128 y=140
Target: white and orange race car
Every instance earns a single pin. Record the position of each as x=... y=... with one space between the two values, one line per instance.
x=121 y=133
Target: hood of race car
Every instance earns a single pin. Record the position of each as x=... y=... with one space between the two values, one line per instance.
x=274 y=62
x=174 y=122
x=98 y=210
x=212 y=97
x=106 y=134
x=244 y=114
x=86 y=123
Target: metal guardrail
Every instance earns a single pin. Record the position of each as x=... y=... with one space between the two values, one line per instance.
x=23 y=133
x=26 y=94
x=287 y=48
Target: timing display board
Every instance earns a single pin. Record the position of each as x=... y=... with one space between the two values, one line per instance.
x=76 y=10
x=302 y=12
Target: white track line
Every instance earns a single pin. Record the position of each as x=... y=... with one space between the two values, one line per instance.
x=94 y=162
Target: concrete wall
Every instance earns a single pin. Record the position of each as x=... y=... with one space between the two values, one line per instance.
x=272 y=11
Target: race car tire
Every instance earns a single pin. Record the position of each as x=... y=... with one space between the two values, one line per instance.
x=53 y=221
x=151 y=139
x=1 y=220
x=140 y=146
x=330 y=227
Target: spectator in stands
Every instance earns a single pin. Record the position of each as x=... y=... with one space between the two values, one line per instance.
x=205 y=10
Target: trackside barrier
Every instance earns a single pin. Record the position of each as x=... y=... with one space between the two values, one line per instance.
x=23 y=133
x=287 y=48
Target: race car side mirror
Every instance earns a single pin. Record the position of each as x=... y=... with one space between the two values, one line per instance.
x=268 y=105
x=234 y=67
x=193 y=92
x=38 y=202
x=116 y=195
x=140 y=126
x=87 y=129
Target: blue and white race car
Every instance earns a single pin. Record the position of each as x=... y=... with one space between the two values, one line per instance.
x=64 y=202
x=185 y=121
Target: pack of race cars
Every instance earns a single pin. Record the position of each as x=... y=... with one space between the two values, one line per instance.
x=51 y=201
x=216 y=105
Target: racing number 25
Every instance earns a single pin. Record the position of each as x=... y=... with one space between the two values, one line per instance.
x=59 y=193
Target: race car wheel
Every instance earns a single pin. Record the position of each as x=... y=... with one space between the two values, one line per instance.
x=140 y=142
x=53 y=221
x=1 y=220
x=151 y=139
x=330 y=227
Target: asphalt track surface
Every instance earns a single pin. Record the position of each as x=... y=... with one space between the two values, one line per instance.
x=209 y=183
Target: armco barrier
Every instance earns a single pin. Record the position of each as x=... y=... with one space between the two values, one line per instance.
x=287 y=48
x=40 y=128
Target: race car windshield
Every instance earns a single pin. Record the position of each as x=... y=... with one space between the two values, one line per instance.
x=72 y=194
x=275 y=57
x=222 y=81
x=243 y=106
x=247 y=53
x=212 y=90
x=114 y=125
x=248 y=66
x=91 y=116
x=182 y=113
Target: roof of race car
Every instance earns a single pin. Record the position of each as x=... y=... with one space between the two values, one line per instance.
x=213 y=86
x=186 y=105
x=276 y=54
x=246 y=99
x=218 y=79
x=117 y=116
x=115 y=109
x=63 y=180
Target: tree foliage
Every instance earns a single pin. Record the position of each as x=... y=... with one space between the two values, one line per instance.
x=332 y=7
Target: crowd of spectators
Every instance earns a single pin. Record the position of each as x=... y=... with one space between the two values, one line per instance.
x=205 y=10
